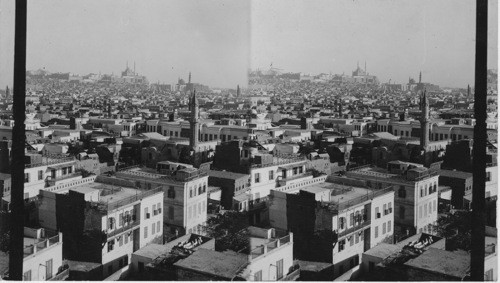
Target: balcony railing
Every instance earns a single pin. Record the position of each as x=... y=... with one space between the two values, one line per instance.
x=108 y=206
x=354 y=228
x=124 y=228
x=339 y=206
x=258 y=251
x=62 y=276
x=42 y=245
x=280 y=161
x=50 y=162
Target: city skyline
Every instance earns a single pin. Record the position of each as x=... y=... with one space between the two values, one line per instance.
x=183 y=36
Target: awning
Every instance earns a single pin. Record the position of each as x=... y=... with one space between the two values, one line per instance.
x=468 y=197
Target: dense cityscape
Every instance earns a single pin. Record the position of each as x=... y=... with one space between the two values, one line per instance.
x=295 y=177
x=221 y=140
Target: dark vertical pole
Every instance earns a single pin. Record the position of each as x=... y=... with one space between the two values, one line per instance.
x=18 y=142
x=479 y=149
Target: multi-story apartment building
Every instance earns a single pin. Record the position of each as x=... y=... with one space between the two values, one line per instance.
x=104 y=223
x=271 y=256
x=185 y=193
x=45 y=171
x=415 y=188
x=358 y=217
x=42 y=255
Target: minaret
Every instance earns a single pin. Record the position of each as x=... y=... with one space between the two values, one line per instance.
x=420 y=77
x=194 y=128
x=238 y=91
x=189 y=81
x=468 y=91
x=424 y=121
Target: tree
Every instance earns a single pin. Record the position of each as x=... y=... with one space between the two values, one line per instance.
x=456 y=227
x=229 y=229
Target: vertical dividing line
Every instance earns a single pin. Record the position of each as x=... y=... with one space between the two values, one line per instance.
x=479 y=148
x=18 y=143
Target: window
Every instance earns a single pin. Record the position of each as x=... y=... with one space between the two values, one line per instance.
x=402 y=212
x=271 y=175
x=158 y=227
x=190 y=192
x=488 y=177
x=48 y=269
x=40 y=174
x=279 y=269
x=351 y=219
x=384 y=228
x=376 y=231
x=153 y=228
x=27 y=276
x=120 y=241
x=295 y=171
x=425 y=210
x=389 y=223
x=402 y=192
x=257 y=177
x=341 y=245
x=64 y=171
x=171 y=212
x=111 y=245
x=258 y=276
x=26 y=177
x=199 y=190
x=488 y=275
x=356 y=237
x=204 y=188
x=146 y=213
x=421 y=192
x=121 y=219
x=126 y=238
x=385 y=209
x=171 y=192
x=389 y=207
x=351 y=240
x=149 y=186
x=377 y=213
x=145 y=232
x=301 y=170
x=111 y=223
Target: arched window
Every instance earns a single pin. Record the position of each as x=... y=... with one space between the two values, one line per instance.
x=199 y=190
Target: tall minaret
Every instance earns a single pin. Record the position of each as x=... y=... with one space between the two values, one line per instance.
x=189 y=81
x=420 y=77
x=424 y=121
x=238 y=91
x=194 y=122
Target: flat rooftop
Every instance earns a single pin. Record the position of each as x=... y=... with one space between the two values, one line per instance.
x=221 y=264
x=444 y=262
x=226 y=175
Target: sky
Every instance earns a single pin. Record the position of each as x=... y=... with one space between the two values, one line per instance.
x=396 y=38
x=219 y=40
x=165 y=39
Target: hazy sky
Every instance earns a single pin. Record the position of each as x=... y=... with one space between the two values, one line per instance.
x=396 y=38
x=218 y=40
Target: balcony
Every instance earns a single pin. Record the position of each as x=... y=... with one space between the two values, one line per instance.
x=257 y=252
x=55 y=181
x=42 y=245
x=288 y=180
x=52 y=161
x=124 y=228
x=354 y=228
x=109 y=206
x=62 y=276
